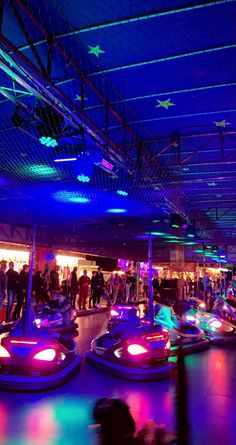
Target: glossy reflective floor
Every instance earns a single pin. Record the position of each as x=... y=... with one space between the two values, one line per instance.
x=61 y=416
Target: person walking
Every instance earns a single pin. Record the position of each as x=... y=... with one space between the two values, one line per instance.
x=74 y=286
x=12 y=288
x=3 y=283
x=22 y=291
x=84 y=283
x=98 y=287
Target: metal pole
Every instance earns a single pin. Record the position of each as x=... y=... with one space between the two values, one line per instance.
x=27 y=318
x=151 y=311
x=137 y=279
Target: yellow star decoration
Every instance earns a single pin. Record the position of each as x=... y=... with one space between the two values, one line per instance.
x=164 y=104
x=96 y=50
x=221 y=123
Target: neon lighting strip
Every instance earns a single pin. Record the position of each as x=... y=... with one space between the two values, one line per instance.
x=166 y=93
x=65 y=159
x=24 y=342
x=163 y=59
x=175 y=117
x=131 y=20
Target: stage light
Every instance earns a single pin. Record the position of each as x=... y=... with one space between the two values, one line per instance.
x=116 y=210
x=106 y=165
x=83 y=178
x=49 y=127
x=84 y=168
x=122 y=192
x=190 y=235
x=48 y=141
x=175 y=226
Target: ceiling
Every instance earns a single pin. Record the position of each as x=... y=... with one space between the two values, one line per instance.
x=149 y=87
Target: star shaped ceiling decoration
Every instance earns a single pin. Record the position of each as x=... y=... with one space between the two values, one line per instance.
x=164 y=104
x=221 y=124
x=96 y=50
x=78 y=97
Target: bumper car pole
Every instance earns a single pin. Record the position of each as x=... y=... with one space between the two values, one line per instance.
x=151 y=310
x=27 y=318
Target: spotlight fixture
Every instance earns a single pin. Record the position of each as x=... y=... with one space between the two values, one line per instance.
x=122 y=192
x=49 y=127
x=48 y=141
x=84 y=168
x=83 y=178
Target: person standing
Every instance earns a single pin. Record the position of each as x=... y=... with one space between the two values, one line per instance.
x=74 y=286
x=3 y=283
x=93 y=281
x=145 y=286
x=38 y=286
x=98 y=287
x=84 y=283
x=54 y=280
x=116 y=286
x=22 y=291
x=12 y=288
x=109 y=285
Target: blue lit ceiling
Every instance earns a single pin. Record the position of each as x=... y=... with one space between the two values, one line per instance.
x=148 y=86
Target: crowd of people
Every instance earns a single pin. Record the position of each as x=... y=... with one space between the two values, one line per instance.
x=85 y=292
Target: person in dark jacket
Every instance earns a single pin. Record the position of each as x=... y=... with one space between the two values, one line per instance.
x=22 y=291
x=93 y=281
x=3 y=282
x=54 y=280
x=74 y=286
x=98 y=287
x=38 y=286
x=12 y=289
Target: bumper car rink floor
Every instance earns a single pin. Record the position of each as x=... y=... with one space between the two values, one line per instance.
x=61 y=416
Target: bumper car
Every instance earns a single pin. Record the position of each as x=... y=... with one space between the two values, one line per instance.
x=184 y=333
x=56 y=321
x=35 y=360
x=120 y=314
x=216 y=329
x=134 y=352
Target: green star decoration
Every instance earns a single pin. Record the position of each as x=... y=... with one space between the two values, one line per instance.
x=78 y=97
x=96 y=50
x=221 y=124
x=164 y=104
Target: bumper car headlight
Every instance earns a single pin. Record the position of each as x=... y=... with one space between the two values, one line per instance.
x=136 y=349
x=114 y=313
x=216 y=324
x=46 y=355
x=3 y=352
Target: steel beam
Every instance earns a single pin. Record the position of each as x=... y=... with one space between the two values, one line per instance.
x=27 y=36
x=198 y=150
x=46 y=95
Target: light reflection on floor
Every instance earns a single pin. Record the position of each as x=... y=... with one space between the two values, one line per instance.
x=61 y=417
